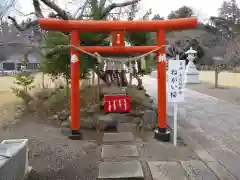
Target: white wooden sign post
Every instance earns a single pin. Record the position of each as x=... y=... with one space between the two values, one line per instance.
x=175 y=94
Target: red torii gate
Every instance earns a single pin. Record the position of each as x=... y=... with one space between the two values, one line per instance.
x=118 y=28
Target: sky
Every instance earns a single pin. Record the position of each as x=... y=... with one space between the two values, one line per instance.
x=203 y=9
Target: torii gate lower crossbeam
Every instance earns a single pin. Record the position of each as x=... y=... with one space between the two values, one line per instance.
x=118 y=28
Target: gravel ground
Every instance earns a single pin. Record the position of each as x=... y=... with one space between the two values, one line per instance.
x=52 y=155
x=229 y=94
x=55 y=157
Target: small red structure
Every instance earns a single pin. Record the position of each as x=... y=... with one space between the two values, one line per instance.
x=118 y=28
x=117 y=103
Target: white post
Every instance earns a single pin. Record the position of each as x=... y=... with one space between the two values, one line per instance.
x=176 y=70
x=175 y=110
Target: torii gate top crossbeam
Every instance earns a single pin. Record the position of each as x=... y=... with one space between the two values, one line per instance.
x=107 y=26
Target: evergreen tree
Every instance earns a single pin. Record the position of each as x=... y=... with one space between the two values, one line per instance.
x=182 y=12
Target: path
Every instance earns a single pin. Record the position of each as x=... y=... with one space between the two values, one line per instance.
x=217 y=128
x=124 y=156
x=212 y=127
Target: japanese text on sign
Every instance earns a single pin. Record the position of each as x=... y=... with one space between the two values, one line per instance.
x=117 y=103
x=176 y=70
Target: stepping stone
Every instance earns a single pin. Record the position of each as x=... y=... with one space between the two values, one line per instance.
x=118 y=151
x=118 y=137
x=106 y=121
x=166 y=170
x=120 y=170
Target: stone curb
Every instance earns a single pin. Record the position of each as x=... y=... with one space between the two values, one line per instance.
x=220 y=171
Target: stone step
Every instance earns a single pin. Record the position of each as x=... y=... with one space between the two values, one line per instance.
x=109 y=151
x=120 y=170
x=118 y=137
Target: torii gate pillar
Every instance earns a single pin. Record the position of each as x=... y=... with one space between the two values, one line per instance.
x=75 y=87
x=161 y=132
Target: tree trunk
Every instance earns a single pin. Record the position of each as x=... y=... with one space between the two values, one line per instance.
x=98 y=91
x=93 y=77
x=130 y=78
x=125 y=79
x=43 y=82
x=216 y=77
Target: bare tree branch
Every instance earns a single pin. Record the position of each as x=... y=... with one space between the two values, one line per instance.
x=6 y=6
x=62 y=13
x=53 y=15
x=24 y=26
x=108 y=9
x=38 y=11
x=102 y=3
x=82 y=11
x=32 y=13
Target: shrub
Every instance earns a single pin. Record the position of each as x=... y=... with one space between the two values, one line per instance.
x=25 y=84
x=56 y=101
